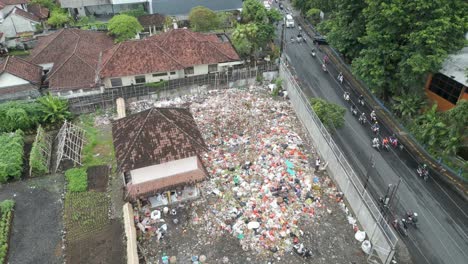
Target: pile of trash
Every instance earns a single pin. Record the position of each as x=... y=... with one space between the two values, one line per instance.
x=259 y=170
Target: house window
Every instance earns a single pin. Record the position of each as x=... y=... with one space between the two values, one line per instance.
x=188 y=70
x=160 y=74
x=213 y=68
x=116 y=82
x=140 y=79
x=172 y=73
x=446 y=87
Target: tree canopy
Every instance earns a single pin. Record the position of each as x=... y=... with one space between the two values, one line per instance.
x=58 y=18
x=331 y=115
x=203 y=19
x=124 y=27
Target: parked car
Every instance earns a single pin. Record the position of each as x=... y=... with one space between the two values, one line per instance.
x=320 y=40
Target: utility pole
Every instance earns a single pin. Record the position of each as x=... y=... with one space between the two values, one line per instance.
x=393 y=194
x=370 y=165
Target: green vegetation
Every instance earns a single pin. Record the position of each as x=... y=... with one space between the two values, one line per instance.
x=11 y=155
x=157 y=84
x=58 y=18
x=124 y=27
x=85 y=213
x=99 y=149
x=13 y=52
x=6 y=215
x=27 y=115
x=38 y=162
x=331 y=115
x=54 y=110
x=257 y=29
x=90 y=22
x=279 y=86
x=203 y=19
x=140 y=11
x=77 y=179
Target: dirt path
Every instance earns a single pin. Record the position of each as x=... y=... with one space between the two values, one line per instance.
x=37 y=222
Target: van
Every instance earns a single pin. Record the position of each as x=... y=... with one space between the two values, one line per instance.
x=289 y=21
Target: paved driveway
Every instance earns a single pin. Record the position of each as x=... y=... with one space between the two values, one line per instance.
x=37 y=221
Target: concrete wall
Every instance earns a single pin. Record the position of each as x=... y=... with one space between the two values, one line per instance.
x=82 y=3
x=7 y=79
x=163 y=170
x=130 y=233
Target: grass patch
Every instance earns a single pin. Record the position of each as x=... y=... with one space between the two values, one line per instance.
x=6 y=214
x=77 y=179
x=85 y=213
x=99 y=148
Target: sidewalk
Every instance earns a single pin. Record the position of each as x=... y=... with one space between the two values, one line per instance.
x=458 y=184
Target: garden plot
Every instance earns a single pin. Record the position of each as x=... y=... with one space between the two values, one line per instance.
x=262 y=197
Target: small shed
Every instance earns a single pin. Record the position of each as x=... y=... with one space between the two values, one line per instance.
x=158 y=150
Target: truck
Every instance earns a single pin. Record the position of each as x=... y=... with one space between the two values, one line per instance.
x=289 y=21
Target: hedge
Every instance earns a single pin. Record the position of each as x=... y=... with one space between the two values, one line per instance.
x=39 y=157
x=6 y=213
x=77 y=179
x=11 y=155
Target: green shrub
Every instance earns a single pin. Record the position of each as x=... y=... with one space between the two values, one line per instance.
x=157 y=84
x=11 y=155
x=6 y=208
x=38 y=160
x=331 y=115
x=77 y=179
x=22 y=115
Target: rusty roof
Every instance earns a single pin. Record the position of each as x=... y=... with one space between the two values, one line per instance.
x=173 y=50
x=156 y=136
x=22 y=69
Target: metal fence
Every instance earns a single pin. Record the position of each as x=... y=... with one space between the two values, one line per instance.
x=218 y=80
x=381 y=235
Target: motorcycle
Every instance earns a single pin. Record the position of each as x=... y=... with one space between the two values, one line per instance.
x=423 y=172
x=362 y=119
x=412 y=218
x=354 y=110
x=376 y=144
x=386 y=145
x=346 y=96
x=399 y=226
x=361 y=100
x=324 y=67
x=340 y=78
x=375 y=129
x=302 y=251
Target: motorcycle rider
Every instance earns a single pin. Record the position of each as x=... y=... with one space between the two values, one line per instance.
x=373 y=116
x=423 y=171
x=324 y=67
x=313 y=52
x=376 y=143
x=386 y=143
x=393 y=141
x=375 y=128
x=362 y=118
x=346 y=96
x=354 y=110
x=340 y=77
x=361 y=100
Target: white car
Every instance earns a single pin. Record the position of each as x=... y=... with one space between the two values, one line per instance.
x=289 y=21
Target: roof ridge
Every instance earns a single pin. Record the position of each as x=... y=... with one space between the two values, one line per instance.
x=71 y=55
x=52 y=39
x=130 y=147
x=113 y=53
x=181 y=130
x=6 y=63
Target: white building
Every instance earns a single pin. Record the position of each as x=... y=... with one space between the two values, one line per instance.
x=103 y=7
x=19 y=79
x=175 y=54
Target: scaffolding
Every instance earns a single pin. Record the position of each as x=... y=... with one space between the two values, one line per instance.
x=71 y=140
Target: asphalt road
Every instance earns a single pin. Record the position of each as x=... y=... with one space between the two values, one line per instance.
x=441 y=236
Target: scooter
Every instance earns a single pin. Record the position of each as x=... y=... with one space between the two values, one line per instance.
x=354 y=110
x=386 y=145
x=313 y=53
x=412 y=218
x=302 y=251
x=346 y=96
x=362 y=119
x=376 y=144
x=375 y=129
x=361 y=100
x=324 y=67
x=423 y=172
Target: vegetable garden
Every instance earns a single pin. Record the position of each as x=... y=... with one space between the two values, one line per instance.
x=11 y=155
x=39 y=158
x=6 y=215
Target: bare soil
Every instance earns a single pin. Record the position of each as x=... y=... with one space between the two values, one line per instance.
x=98 y=177
x=102 y=247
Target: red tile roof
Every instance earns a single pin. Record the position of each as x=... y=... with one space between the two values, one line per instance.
x=75 y=54
x=38 y=11
x=155 y=136
x=27 y=15
x=173 y=50
x=22 y=69
x=4 y=3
